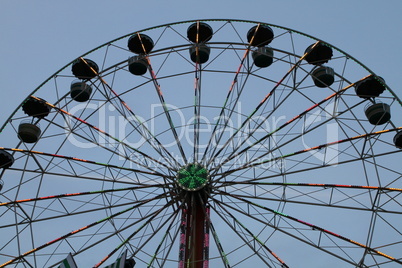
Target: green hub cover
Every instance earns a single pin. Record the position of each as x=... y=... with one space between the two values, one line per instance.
x=192 y=177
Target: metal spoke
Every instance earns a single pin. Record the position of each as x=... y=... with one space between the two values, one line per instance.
x=167 y=233
x=28 y=152
x=308 y=150
x=254 y=237
x=166 y=110
x=231 y=89
x=75 y=232
x=197 y=110
x=104 y=133
x=315 y=227
x=141 y=125
x=261 y=104
x=148 y=221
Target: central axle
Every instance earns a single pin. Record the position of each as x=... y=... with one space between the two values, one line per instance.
x=194 y=238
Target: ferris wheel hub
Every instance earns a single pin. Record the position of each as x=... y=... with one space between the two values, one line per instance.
x=192 y=177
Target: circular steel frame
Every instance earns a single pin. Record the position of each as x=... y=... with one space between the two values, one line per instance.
x=296 y=174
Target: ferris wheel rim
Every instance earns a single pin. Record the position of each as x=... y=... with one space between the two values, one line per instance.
x=194 y=164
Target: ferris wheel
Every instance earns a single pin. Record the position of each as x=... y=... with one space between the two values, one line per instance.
x=205 y=143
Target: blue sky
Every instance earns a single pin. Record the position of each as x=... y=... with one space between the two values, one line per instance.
x=40 y=37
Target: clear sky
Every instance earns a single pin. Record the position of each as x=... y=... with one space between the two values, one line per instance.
x=39 y=37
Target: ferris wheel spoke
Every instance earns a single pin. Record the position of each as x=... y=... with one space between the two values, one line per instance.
x=114 y=151
x=149 y=218
x=96 y=129
x=197 y=110
x=61 y=205
x=10 y=203
x=222 y=253
x=168 y=245
x=79 y=160
x=109 y=235
x=274 y=223
x=333 y=236
x=69 y=169
x=61 y=208
x=154 y=227
x=247 y=242
x=262 y=102
x=166 y=110
x=248 y=237
x=101 y=178
x=167 y=235
x=347 y=196
x=228 y=111
x=50 y=243
x=226 y=103
x=92 y=139
x=151 y=213
x=315 y=148
x=139 y=127
x=169 y=249
x=280 y=175
x=247 y=134
x=258 y=142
